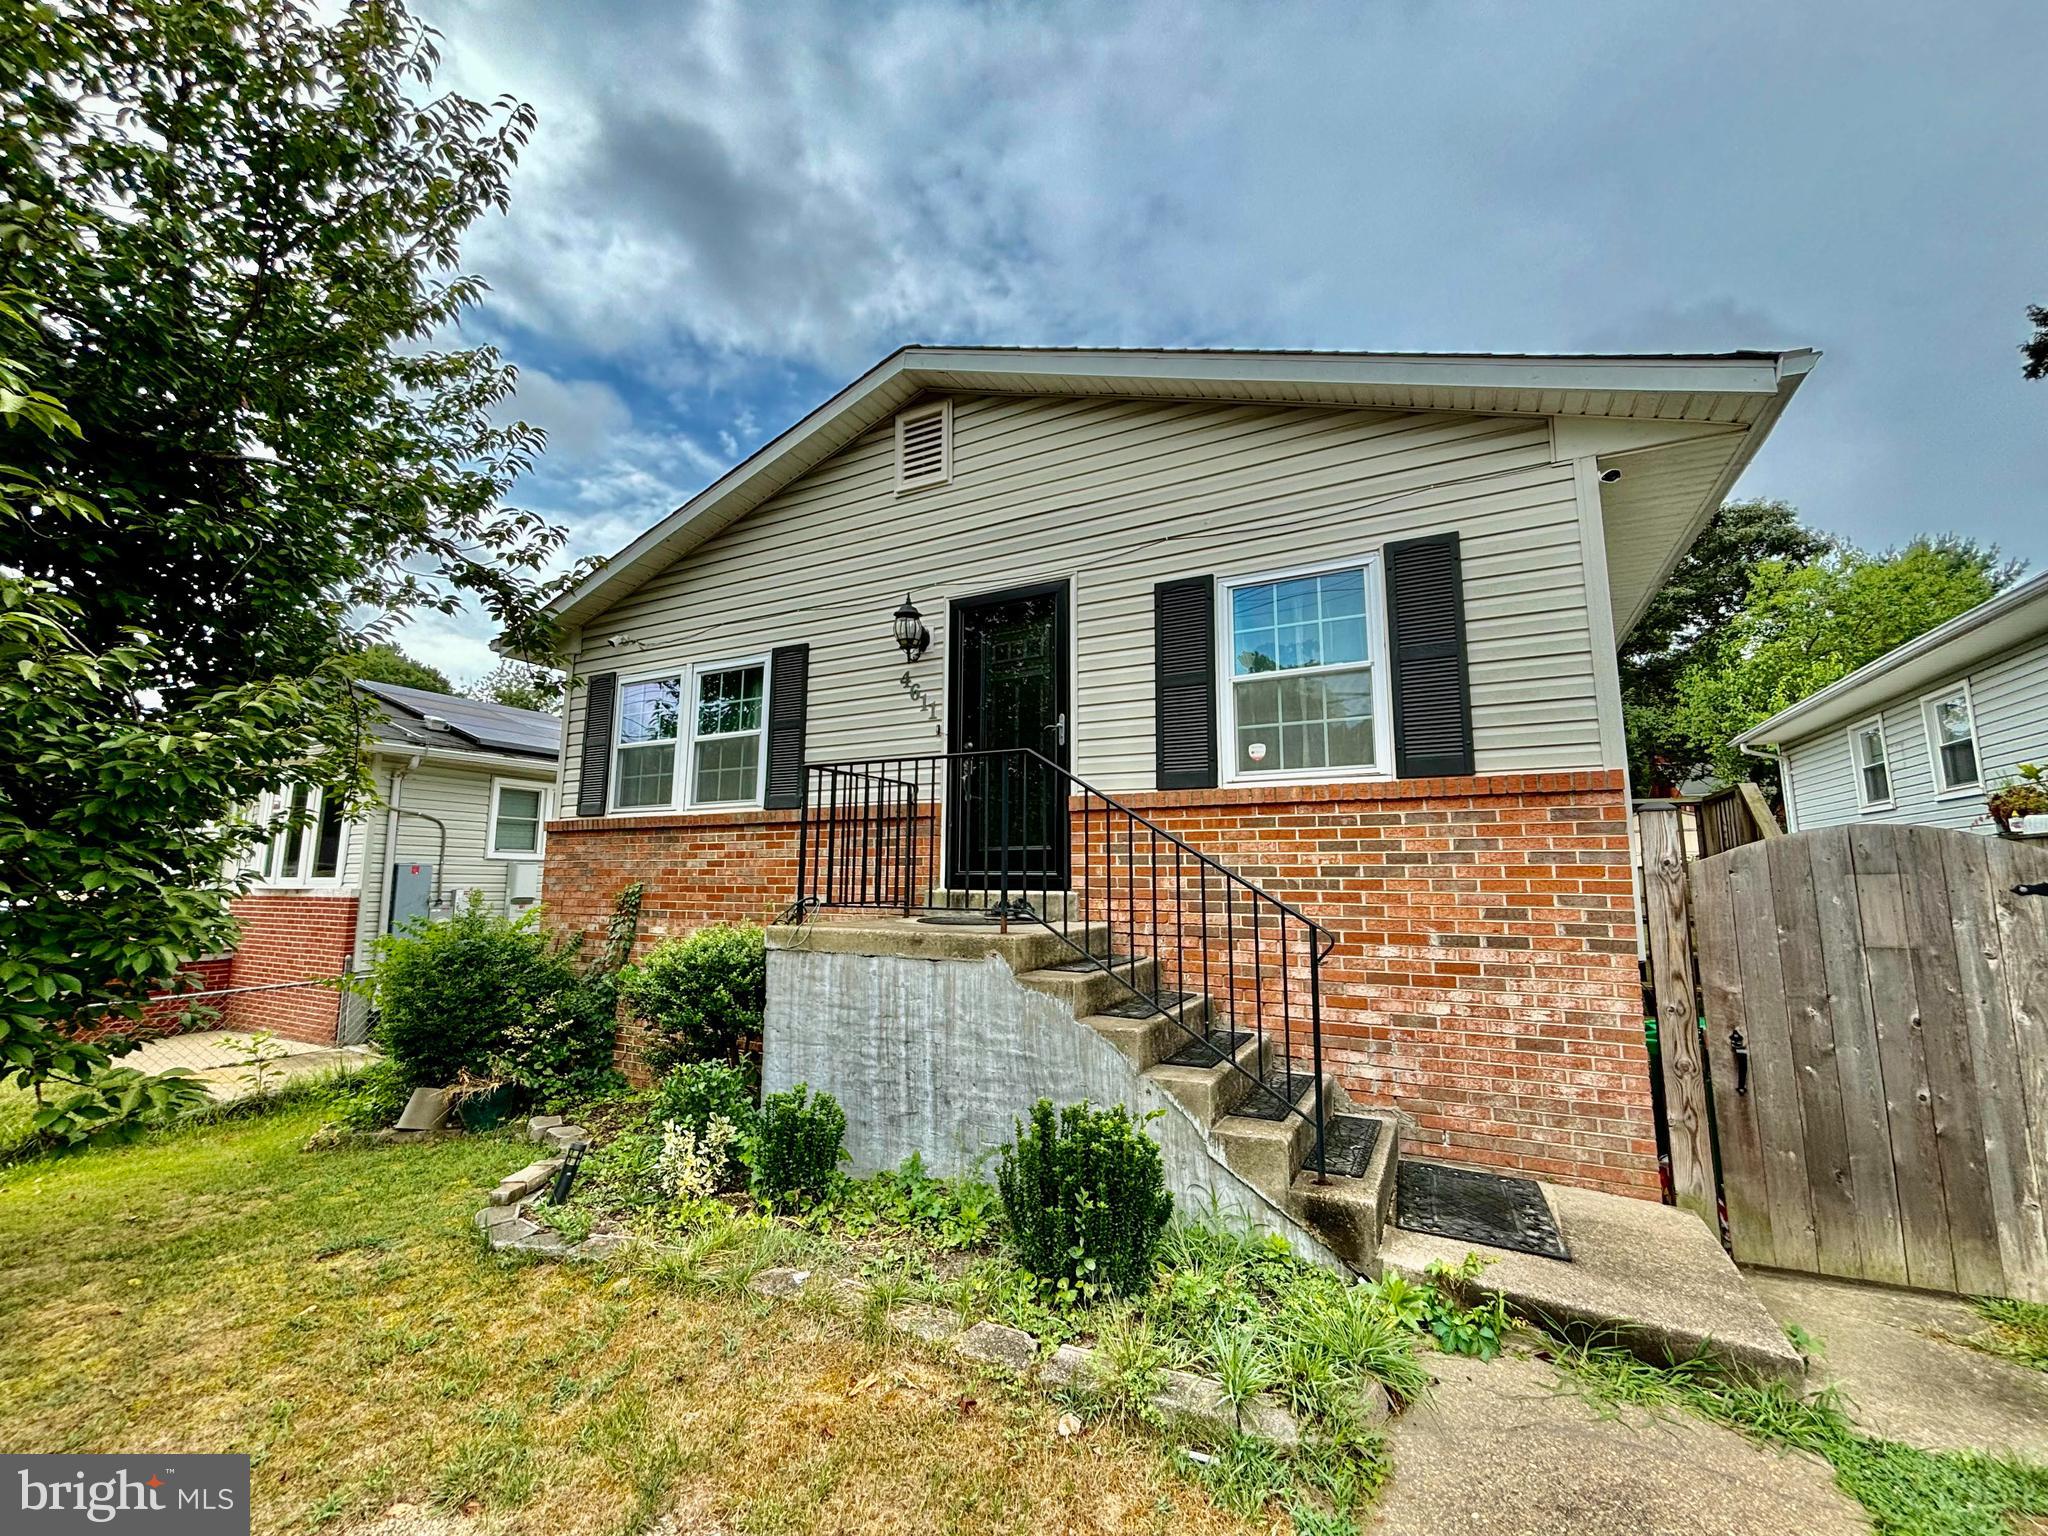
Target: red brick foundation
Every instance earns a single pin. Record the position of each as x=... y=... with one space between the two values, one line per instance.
x=290 y=936
x=1484 y=979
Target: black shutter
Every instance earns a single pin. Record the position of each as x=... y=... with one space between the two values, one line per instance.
x=1184 y=682
x=1426 y=625
x=789 y=671
x=594 y=777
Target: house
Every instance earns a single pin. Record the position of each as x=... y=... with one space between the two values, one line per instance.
x=1313 y=653
x=1925 y=732
x=465 y=790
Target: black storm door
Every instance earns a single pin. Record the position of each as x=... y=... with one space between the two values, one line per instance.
x=1007 y=815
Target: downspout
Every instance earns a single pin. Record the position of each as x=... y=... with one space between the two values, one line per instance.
x=391 y=815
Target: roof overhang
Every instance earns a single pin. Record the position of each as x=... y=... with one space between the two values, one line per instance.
x=2016 y=617
x=1739 y=392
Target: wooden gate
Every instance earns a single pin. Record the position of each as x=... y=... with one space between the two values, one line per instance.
x=1876 y=1003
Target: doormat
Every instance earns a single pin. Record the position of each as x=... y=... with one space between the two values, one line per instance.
x=959 y=920
x=1207 y=1052
x=1145 y=1007
x=1476 y=1207
x=1348 y=1141
x=1277 y=1098
x=1092 y=965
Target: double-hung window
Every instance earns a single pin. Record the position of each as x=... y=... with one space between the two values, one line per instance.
x=1304 y=688
x=1952 y=740
x=517 y=811
x=692 y=738
x=310 y=846
x=1873 y=769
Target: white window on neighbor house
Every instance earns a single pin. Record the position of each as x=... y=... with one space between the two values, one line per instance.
x=1304 y=687
x=1952 y=740
x=308 y=851
x=519 y=812
x=1873 y=771
x=693 y=738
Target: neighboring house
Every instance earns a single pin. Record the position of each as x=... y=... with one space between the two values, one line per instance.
x=465 y=792
x=1346 y=622
x=1926 y=731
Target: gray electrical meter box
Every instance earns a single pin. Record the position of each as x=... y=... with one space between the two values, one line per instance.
x=412 y=892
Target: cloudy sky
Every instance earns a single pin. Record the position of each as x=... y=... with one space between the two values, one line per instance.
x=731 y=208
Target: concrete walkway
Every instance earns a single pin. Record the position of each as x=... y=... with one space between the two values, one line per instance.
x=1507 y=1449
x=1883 y=1348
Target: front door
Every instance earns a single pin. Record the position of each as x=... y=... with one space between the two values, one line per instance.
x=1007 y=814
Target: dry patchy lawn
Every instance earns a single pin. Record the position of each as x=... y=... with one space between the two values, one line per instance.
x=332 y=1314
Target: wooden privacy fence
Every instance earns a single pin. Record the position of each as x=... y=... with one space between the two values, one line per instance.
x=1876 y=1050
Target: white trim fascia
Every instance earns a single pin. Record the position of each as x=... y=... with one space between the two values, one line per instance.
x=1373 y=565
x=1793 y=368
x=899 y=377
x=1600 y=614
x=540 y=767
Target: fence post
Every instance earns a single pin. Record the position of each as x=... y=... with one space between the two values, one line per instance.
x=1668 y=914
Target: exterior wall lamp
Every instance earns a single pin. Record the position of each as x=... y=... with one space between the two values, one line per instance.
x=910 y=631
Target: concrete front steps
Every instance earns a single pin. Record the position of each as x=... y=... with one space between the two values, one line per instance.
x=1276 y=1156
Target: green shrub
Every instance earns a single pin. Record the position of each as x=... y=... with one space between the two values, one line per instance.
x=1084 y=1192
x=699 y=996
x=797 y=1147
x=561 y=1047
x=449 y=994
x=371 y=1098
x=692 y=1096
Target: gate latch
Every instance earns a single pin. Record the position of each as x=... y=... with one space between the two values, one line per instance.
x=2038 y=888
x=1740 y=1048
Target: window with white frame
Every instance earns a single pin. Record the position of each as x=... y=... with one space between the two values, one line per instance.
x=1952 y=739
x=1873 y=770
x=692 y=738
x=310 y=842
x=517 y=812
x=1303 y=694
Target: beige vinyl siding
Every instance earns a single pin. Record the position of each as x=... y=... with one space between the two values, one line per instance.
x=1119 y=495
x=2009 y=698
x=457 y=794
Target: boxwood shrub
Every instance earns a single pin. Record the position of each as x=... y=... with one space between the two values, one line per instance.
x=1084 y=1193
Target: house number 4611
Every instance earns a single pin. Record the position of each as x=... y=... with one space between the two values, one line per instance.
x=923 y=701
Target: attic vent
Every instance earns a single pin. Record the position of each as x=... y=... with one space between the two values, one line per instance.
x=924 y=447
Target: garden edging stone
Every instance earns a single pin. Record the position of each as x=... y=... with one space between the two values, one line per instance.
x=1183 y=1399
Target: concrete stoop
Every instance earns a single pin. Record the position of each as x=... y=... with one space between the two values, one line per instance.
x=1649 y=1278
x=1273 y=1158
x=937 y=1036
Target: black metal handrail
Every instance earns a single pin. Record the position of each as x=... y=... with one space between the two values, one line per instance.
x=1017 y=835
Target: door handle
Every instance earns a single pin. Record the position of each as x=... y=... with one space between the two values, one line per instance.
x=1739 y=1049
x=1059 y=728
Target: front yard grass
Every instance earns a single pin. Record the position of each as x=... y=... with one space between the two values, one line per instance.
x=332 y=1314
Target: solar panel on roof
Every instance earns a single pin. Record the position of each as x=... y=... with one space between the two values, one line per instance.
x=495 y=727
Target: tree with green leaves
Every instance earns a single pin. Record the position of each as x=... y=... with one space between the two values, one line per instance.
x=386 y=663
x=1804 y=625
x=240 y=224
x=521 y=685
x=1687 y=620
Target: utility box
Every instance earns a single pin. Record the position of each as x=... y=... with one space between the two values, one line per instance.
x=522 y=887
x=412 y=892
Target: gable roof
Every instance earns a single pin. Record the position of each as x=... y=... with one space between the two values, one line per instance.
x=1993 y=628
x=1734 y=392
x=470 y=725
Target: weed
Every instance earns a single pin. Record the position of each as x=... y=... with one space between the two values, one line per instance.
x=1905 y=1491
x=2016 y=1330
